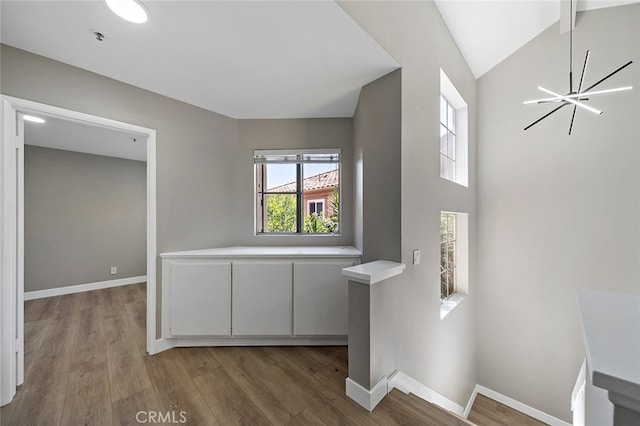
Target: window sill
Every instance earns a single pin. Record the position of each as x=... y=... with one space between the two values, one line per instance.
x=288 y=234
x=447 y=305
x=457 y=182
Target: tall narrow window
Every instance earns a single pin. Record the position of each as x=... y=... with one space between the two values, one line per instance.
x=448 y=275
x=447 y=140
x=453 y=133
x=297 y=191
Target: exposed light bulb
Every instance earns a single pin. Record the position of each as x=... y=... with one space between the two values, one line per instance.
x=130 y=10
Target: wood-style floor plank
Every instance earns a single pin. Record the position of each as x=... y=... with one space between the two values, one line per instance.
x=40 y=309
x=487 y=412
x=197 y=361
x=227 y=401
x=137 y=314
x=34 y=334
x=187 y=402
x=279 y=404
x=135 y=408
x=60 y=337
x=126 y=368
x=86 y=363
x=87 y=399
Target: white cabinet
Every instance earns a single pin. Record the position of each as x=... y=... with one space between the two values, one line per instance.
x=198 y=298
x=256 y=295
x=320 y=298
x=261 y=298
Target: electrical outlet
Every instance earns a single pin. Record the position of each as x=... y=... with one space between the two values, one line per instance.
x=416 y=257
x=114 y=270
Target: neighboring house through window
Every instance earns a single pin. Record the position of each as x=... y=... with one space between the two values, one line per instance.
x=315 y=206
x=297 y=191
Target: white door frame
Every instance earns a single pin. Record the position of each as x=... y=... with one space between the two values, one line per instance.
x=12 y=258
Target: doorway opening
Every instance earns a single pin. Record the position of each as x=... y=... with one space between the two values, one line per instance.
x=12 y=213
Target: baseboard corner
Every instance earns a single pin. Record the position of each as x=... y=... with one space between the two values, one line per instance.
x=161 y=345
x=368 y=399
x=407 y=384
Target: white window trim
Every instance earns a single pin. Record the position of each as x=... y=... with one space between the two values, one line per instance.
x=449 y=92
x=448 y=304
x=269 y=152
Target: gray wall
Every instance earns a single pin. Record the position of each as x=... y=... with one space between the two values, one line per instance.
x=377 y=145
x=194 y=146
x=556 y=212
x=83 y=214
x=199 y=204
x=378 y=221
x=438 y=353
x=294 y=133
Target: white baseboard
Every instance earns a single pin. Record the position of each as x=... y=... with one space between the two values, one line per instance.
x=258 y=341
x=472 y=399
x=161 y=345
x=60 y=291
x=517 y=405
x=366 y=398
x=406 y=384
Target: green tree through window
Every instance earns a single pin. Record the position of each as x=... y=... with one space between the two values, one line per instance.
x=297 y=191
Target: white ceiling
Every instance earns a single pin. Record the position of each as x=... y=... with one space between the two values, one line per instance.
x=244 y=59
x=259 y=59
x=74 y=136
x=488 y=31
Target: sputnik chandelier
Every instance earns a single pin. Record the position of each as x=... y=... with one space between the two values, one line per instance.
x=579 y=97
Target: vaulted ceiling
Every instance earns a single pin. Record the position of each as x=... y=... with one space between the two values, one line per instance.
x=489 y=31
x=259 y=59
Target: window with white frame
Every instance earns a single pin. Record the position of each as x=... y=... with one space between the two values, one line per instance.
x=447 y=254
x=447 y=140
x=453 y=133
x=297 y=191
x=454 y=260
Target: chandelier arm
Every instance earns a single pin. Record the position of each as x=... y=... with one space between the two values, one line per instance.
x=570 y=45
x=573 y=101
x=560 y=99
x=608 y=76
x=578 y=95
x=546 y=115
x=573 y=116
x=584 y=70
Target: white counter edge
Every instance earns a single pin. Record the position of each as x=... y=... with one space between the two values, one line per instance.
x=373 y=272
x=266 y=251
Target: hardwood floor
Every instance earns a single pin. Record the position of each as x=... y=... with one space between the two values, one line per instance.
x=85 y=364
x=486 y=411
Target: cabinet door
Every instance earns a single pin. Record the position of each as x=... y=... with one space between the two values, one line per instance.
x=200 y=298
x=261 y=298
x=320 y=298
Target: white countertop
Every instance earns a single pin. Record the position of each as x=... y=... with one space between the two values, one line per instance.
x=611 y=327
x=266 y=251
x=373 y=272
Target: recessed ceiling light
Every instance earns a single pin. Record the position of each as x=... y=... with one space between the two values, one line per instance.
x=130 y=10
x=33 y=119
